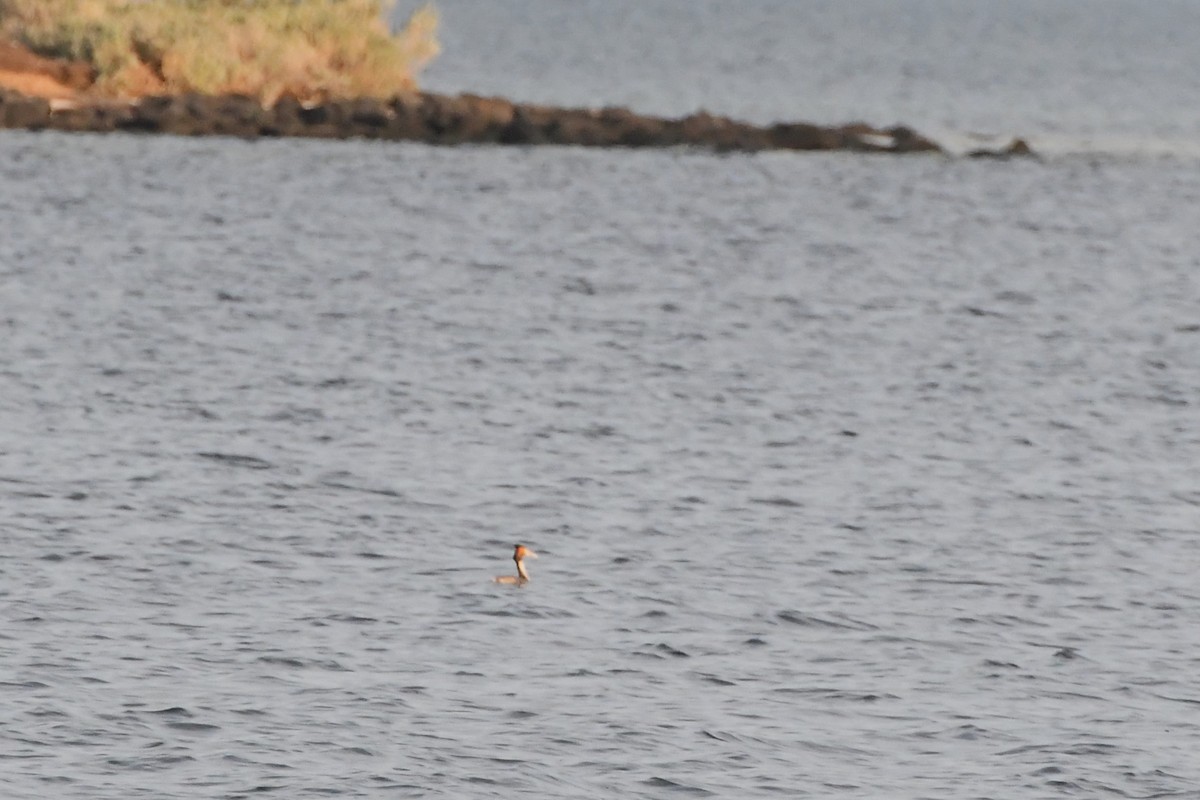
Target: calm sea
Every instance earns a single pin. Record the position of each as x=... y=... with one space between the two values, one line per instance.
x=1111 y=76
x=851 y=477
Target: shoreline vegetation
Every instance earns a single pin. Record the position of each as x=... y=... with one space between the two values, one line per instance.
x=327 y=69
x=313 y=50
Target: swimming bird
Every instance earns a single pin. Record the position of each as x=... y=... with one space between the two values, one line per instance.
x=520 y=552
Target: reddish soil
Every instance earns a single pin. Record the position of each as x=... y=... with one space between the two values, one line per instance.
x=34 y=76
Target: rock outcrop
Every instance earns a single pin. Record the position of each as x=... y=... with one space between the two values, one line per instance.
x=441 y=119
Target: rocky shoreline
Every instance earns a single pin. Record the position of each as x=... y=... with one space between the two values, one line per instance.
x=38 y=93
x=449 y=120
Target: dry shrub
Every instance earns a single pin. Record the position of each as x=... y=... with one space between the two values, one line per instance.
x=313 y=49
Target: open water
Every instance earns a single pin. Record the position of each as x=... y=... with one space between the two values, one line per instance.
x=851 y=477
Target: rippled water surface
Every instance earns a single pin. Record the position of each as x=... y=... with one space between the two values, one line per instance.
x=851 y=477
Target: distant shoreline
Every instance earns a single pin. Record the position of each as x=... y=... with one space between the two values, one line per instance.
x=38 y=93
x=450 y=120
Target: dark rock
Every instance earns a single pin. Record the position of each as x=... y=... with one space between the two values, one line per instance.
x=723 y=134
x=319 y=114
x=491 y=117
x=570 y=126
x=906 y=140
x=444 y=119
x=364 y=117
x=1017 y=148
x=19 y=111
x=621 y=127
x=407 y=121
x=803 y=136
x=521 y=130
x=230 y=115
x=284 y=118
x=198 y=115
x=466 y=118
x=149 y=115
x=368 y=113
x=90 y=118
x=328 y=120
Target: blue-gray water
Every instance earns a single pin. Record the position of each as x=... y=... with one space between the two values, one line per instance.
x=851 y=476
x=1117 y=76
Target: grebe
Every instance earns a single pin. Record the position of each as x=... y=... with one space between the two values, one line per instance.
x=520 y=551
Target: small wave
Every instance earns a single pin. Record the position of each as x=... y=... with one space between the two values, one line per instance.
x=1193 y=701
x=303 y=663
x=811 y=620
x=237 y=460
x=990 y=662
x=346 y=481
x=352 y=619
x=662 y=651
x=359 y=751
x=663 y=783
x=297 y=415
x=193 y=727
x=785 y=502
x=837 y=694
x=715 y=681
